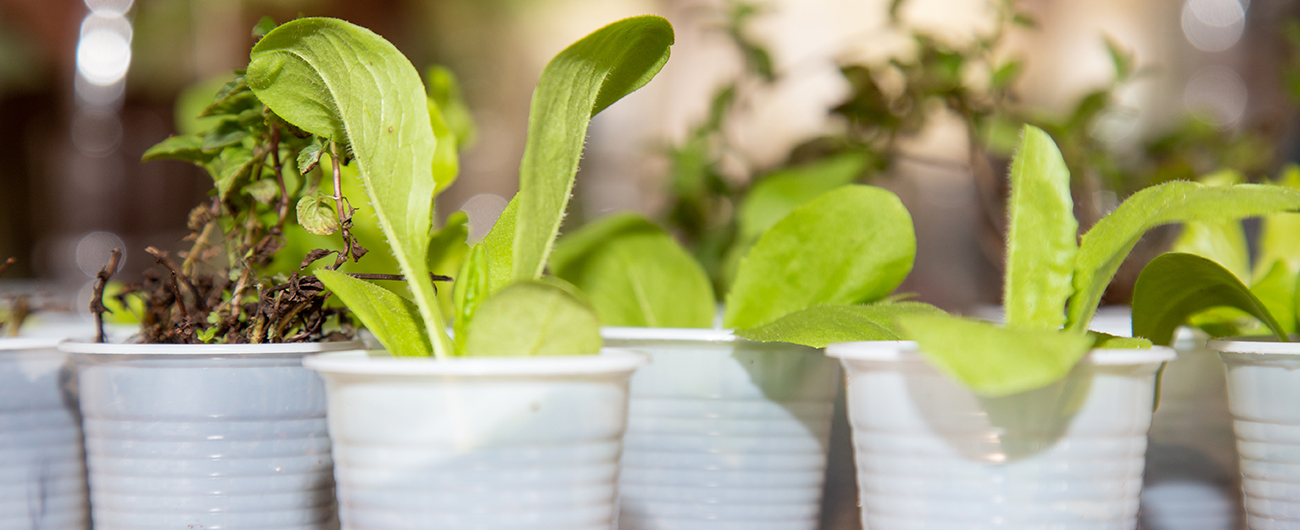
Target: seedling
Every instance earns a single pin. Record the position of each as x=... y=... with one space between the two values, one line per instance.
x=348 y=86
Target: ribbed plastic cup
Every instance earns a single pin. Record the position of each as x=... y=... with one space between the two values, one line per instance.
x=182 y=436
x=42 y=465
x=1264 y=397
x=724 y=433
x=933 y=455
x=484 y=443
x=1192 y=480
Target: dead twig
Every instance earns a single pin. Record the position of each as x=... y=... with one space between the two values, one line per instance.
x=97 y=297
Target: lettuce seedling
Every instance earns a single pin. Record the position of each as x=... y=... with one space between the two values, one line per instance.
x=801 y=281
x=354 y=89
x=1208 y=282
x=1053 y=285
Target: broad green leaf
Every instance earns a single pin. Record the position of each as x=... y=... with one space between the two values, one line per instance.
x=1041 y=236
x=1276 y=290
x=394 y=320
x=582 y=80
x=187 y=147
x=470 y=289
x=317 y=215
x=635 y=274
x=851 y=245
x=1279 y=237
x=995 y=361
x=822 y=326
x=543 y=319
x=445 y=92
x=230 y=169
x=343 y=82
x=1104 y=246
x=1112 y=342
x=228 y=132
x=1221 y=241
x=498 y=243
x=1176 y=286
x=777 y=194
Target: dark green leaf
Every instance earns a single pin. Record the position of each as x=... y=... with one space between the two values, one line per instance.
x=227 y=133
x=231 y=168
x=309 y=156
x=186 y=147
x=1175 y=286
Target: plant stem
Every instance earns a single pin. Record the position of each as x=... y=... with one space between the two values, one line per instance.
x=97 y=297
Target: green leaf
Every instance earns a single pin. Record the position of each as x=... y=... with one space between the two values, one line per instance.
x=1175 y=286
x=851 y=245
x=498 y=243
x=581 y=81
x=445 y=92
x=343 y=82
x=188 y=148
x=309 y=156
x=1221 y=241
x=264 y=26
x=317 y=215
x=635 y=274
x=777 y=194
x=995 y=361
x=1112 y=342
x=394 y=320
x=264 y=191
x=1006 y=74
x=231 y=168
x=1279 y=237
x=1110 y=240
x=470 y=289
x=544 y=319
x=1041 y=235
x=822 y=326
x=1120 y=58
x=1276 y=290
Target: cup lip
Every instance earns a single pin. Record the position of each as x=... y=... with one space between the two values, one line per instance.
x=11 y=344
x=901 y=350
x=375 y=362
x=197 y=350
x=668 y=334
x=1255 y=344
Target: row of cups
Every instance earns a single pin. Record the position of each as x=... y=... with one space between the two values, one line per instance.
x=665 y=429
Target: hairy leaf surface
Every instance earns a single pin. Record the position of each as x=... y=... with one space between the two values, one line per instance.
x=343 y=82
x=1041 y=236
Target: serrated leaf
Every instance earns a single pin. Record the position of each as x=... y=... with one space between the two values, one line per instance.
x=544 y=319
x=309 y=156
x=230 y=169
x=822 y=326
x=582 y=80
x=226 y=133
x=852 y=245
x=186 y=147
x=1175 y=286
x=635 y=274
x=1104 y=246
x=394 y=320
x=995 y=361
x=318 y=215
x=343 y=82
x=1041 y=235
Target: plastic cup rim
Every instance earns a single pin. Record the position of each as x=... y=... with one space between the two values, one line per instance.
x=901 y=350
x=366 y=362
x=97 y=348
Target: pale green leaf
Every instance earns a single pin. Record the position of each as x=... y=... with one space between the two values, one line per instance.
x=1279 y=236
x=1221 y=241
x=498 y=243
x=1041 y=235
x=1175 y=286
x=343 y=82
x=264 y=191
x=777 y=194
x=851 y=245
x=1276 y=290
x=1112 y=342
x=445 y=92
x=230 y=169
x=394 y=320
x=582 y=80
x=822 y=326
x=995 y=361
x=543 y=319
x=187 y=147
x=317 y=215
x=1105 y=246
x=635 y=274
x=470 y=289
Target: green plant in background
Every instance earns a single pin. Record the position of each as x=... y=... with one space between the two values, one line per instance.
x=347 y=86
x=804 y=280
x=1208 y=282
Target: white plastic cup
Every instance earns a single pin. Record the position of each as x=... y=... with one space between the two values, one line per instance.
x=183 y=436
x=1264 y=397
x=42 y=465
x=933 y=455
x=724 y=433
x=481 y=443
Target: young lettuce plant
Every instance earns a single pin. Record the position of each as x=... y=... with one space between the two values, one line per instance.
x=1208 y=282
x=354 y=89
x=1054 y=284
x=801 y=281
